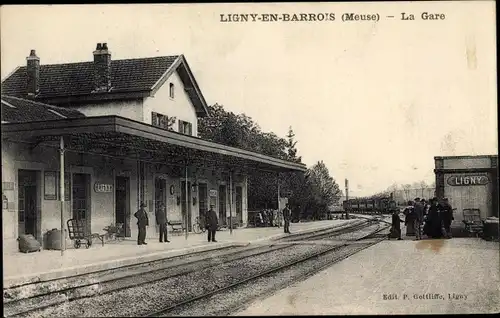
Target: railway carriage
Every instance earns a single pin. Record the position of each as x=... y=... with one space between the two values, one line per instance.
x=372 y=205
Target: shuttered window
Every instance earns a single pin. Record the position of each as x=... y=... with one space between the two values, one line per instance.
x=185 y=128
x=159 y=120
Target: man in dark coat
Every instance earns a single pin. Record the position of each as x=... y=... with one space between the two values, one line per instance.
x=142 y=222
x=211 y=223
x=447 y=216
x=161 y=220
x=287 y=215
x=434 y=220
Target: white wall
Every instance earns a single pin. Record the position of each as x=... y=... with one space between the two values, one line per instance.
x=180 y=106
x=132 y=109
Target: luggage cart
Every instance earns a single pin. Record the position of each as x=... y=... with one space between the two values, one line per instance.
x=472 y=220
x=77 y=231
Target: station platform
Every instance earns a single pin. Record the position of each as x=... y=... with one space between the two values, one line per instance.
x=19 y=268
x=441 y=276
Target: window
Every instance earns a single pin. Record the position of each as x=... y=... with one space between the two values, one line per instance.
x=185 y=127
x=159 y=120
x=171 y=90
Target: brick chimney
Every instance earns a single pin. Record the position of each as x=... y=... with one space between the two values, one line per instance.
x=102 y=68
x=33 y=74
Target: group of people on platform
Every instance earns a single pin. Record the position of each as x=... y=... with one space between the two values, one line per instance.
x=431 y=218
x=211 y=222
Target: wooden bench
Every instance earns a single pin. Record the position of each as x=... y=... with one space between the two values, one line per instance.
x=177 y=226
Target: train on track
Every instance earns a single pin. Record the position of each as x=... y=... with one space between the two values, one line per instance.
x=384 y=205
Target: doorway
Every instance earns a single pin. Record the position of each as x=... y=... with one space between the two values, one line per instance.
x=222 y=204
x=160 y=193
x=28 y=220
x=186 y=206
x=202 y=201
x=81 y=198
x=239 y=204
x=122 y=204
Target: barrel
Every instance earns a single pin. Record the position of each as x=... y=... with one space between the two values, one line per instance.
x=490 y=229
x=54 y=239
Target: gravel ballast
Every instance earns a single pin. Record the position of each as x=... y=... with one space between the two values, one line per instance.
x=155 y=296
x=226 y=302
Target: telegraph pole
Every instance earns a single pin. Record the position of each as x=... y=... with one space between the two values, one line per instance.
x=347 y=197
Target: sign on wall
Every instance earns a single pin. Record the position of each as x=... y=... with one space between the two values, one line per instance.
x=7 y=186
x=467 y=180
x=213 y=193
x=103 y=188
x=50 y=185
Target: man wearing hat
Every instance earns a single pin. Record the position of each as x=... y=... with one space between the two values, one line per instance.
x=142 y=222
x=161 y=220
x=211 y=223
x=287 y=215
x=447 y=216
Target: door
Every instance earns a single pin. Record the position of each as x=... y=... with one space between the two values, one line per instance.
x=222 y=204
x=81 y=198
x=202 y=201
x=27 y=202
x=186 y=204
x=160 y=194
x=122 y=204
x=239 y=204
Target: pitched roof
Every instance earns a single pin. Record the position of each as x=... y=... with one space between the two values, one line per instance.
x=18 y=110
x=73 y=82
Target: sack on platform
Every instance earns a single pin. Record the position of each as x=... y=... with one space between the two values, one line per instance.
x=28 y=244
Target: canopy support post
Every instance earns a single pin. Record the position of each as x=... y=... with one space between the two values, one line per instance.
x=187 y=203
x=61 y=190
x=230 y=202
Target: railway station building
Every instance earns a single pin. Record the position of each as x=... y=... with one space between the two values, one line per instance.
x=469 y=182
x=123 y=132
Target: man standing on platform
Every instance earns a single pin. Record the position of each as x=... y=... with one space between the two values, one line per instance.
x=447 y=216
x=211 y=223
x=287 y=215
x=142 y=222
x=161 y=220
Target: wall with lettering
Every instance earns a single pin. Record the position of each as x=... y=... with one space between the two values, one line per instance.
x=469 y=190
x=102 y=193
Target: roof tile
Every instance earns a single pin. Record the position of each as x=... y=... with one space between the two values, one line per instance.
x=57 y=80
x=27 y=111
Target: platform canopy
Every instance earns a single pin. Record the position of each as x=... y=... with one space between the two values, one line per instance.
x=119 y=137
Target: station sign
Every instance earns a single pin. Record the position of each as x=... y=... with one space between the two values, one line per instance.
x=213 y=193
x=103 y=188
x=467 y=180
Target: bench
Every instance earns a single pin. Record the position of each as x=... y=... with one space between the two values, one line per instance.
x=472 y=221
x=177 y=226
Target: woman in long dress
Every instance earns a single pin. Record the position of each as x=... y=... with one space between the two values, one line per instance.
x=409 y=219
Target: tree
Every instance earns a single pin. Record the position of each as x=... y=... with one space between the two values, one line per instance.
x=290 y=146
x=406 y=189
x=323 y=189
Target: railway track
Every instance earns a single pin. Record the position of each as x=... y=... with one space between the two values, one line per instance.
x=192 y=305
x=43 y=295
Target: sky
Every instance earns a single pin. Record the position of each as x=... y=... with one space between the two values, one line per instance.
x=375 y=100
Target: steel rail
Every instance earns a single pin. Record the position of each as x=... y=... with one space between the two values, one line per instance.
x=165 y=310
x=263 y=249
